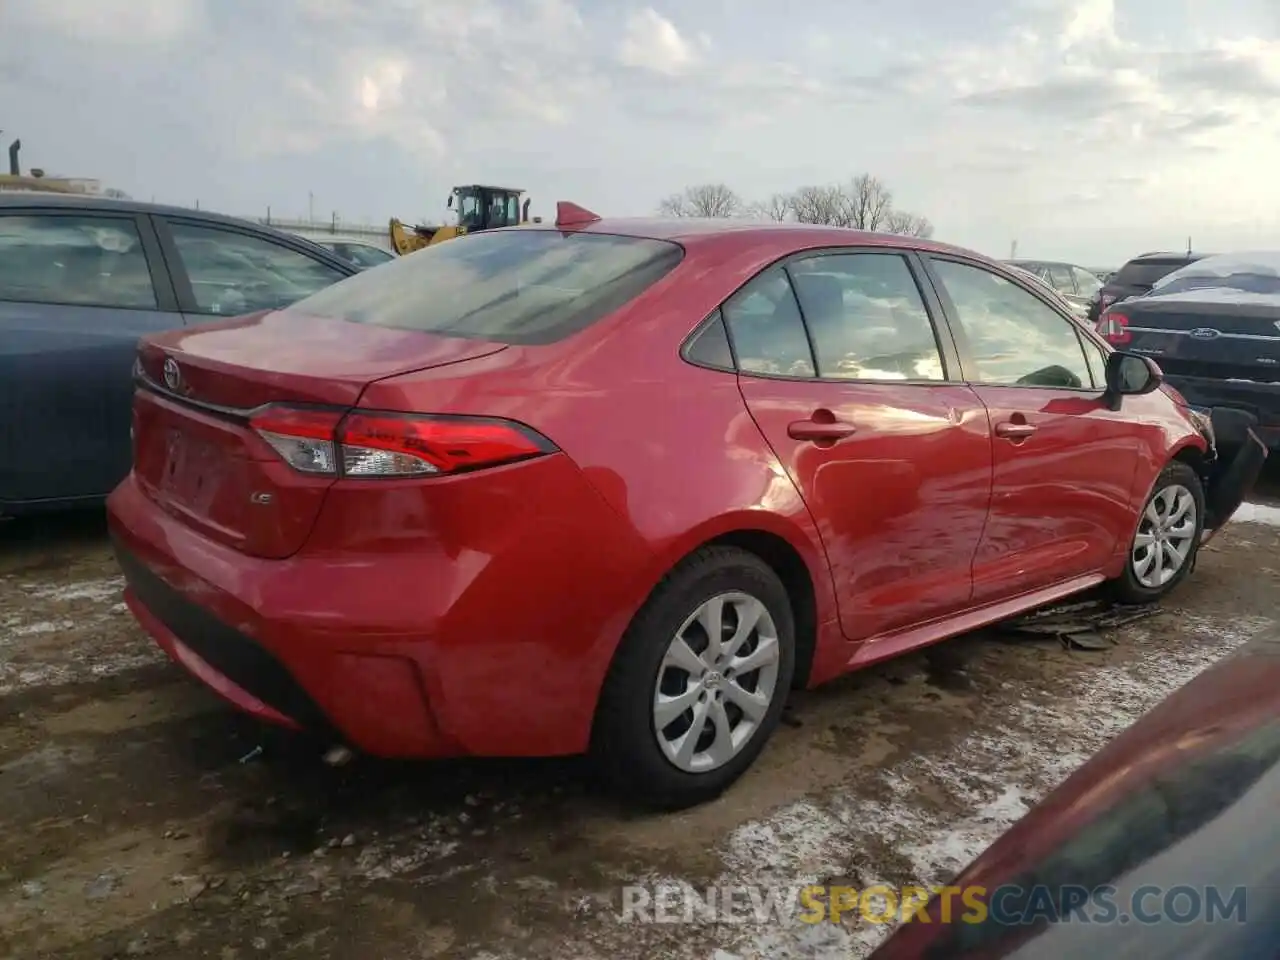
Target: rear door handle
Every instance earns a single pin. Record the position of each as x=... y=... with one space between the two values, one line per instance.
x=1014 y=431
x=817 y=432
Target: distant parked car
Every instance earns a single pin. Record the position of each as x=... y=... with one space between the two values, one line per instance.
x=618 y=486
x=81 y=279
x=1043 y=285
x=1214 y=328
x=358 y=252
x=1074 y=284
x=1136 y=277
x=1161 y=847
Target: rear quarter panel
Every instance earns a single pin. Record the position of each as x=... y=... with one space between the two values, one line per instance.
x=669 y=446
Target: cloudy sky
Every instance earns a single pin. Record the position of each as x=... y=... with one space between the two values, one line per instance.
x=1084 y=129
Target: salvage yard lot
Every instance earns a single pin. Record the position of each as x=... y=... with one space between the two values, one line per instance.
x=142 y=820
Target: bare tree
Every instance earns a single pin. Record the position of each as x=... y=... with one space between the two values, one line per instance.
x=825 y=205
x=703 y=200
x=778 y=207
x=870 y=203
x=908 y=225
x=865 y=203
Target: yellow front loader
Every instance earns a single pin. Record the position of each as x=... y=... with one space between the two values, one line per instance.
x=478 y=207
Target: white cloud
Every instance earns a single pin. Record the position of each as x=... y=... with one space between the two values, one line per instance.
x=652 y=42
x=111 y=21
x=1072 y=125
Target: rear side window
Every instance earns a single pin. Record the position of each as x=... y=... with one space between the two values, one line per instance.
x=710 y=348
x=81 y=261
x=766 y=328
x=1060 y=278
x=233 y=273
x=523 y=286
x=1144 y=273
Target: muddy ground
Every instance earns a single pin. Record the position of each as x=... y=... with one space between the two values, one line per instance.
x=141 y=817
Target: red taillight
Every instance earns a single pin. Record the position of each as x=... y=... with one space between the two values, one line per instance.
x=1115 y=328
x=377 y=444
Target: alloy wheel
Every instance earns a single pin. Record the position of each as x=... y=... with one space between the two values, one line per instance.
x=716 y=682
x=1166 y=535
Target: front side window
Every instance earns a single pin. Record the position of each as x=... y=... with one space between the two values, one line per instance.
x=1014 y=337
x=233 y=273
x=79 y=260
x=523 y=286
x=866 y=318
x=766 y=328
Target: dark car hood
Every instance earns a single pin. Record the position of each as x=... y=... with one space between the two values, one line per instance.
x=1187 y=797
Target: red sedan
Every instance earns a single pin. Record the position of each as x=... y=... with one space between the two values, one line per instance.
x=617 y=486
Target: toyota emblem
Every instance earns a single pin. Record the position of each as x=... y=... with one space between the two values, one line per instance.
x=172 y=375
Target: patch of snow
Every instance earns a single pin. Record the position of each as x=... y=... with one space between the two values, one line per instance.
x=14 y=631
x=100 y=591
x=1257 y=513
x=996 y=776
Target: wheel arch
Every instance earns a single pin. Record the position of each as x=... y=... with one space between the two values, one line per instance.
x=793 y=553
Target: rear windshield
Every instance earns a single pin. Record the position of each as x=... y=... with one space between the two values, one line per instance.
x=1143 y=273
x=521 y=286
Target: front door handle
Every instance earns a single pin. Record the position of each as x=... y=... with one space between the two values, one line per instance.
x=818 y=432
x=1014 y=431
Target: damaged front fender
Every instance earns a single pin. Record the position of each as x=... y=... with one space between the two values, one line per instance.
x=1229 y=481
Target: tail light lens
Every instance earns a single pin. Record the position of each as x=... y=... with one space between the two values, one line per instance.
x=1115 y=328
x=378 y=444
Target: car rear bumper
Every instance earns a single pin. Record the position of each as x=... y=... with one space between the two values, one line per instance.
x=1236 y=407
x=408 y=655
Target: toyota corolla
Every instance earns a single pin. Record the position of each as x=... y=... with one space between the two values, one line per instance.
x=617 y=486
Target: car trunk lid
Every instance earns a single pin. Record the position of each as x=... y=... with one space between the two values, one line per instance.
x=1226 y=341
x=195 y=452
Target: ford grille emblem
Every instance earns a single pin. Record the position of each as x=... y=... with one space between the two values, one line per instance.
x=1205 y=333
x=172 y=375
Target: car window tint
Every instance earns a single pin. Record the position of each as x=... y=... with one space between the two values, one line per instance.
x=528 y=286
x=1015 y=338
x=1144 y=273
x=361 y=254
x=80 y=260
x=764 y=322
x=1087 y=284
x=866 y=318
x=233 y=273
x=710 y=348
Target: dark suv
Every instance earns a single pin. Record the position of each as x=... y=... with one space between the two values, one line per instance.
x=1137 y=277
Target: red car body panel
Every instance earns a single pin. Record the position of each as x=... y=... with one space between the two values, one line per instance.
x=479 y=613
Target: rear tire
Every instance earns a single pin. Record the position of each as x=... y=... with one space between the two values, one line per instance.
x=670 y=673
x=1167 y=539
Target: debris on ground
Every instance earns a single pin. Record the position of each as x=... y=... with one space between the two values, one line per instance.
x=1077 y=626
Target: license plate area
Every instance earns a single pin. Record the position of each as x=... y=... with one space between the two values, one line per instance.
x=193 y=470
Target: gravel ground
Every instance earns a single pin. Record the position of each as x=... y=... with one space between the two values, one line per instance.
x=145 y=819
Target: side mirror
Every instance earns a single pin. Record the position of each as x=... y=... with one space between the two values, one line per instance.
x=1130 y=374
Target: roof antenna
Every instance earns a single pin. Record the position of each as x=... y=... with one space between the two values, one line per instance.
x=1188 y=246
x=571 y=215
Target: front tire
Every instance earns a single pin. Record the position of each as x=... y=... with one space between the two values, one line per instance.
x=1167 y=539
x=699 y=681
